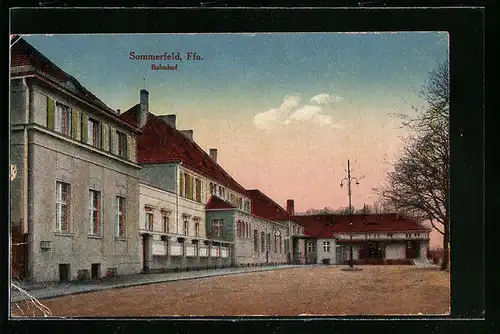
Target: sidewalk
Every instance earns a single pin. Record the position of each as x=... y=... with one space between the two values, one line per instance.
x=50 y=290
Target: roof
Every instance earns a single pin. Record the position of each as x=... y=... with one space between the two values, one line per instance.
x=162 y=143
x=324 y=226
x=265 y=207
x=217 y=203
x=26 y=59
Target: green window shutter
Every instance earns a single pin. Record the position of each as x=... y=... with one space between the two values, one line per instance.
x=180 y=182
x=50 y=113
x=77 y=124
x=190 y=186
x=84 y=128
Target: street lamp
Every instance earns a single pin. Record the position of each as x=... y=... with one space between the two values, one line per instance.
x=349 y=180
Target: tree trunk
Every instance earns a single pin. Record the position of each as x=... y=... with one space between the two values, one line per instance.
x=446 y=250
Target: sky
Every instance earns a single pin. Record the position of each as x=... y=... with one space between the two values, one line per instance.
x=285 y=111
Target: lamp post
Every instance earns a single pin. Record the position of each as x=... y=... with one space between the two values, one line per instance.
x=349 y=179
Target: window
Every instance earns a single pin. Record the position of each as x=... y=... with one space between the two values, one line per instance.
x=165 y=223
x=262 y=241
x=247 y=206
x=122 y=144
x=311 y=247
x=287 y=246
x=232 y=198
x=247 y=231
x=149 y=221
x=255 y=241
x=217 y=227
x=120 y=216
x=62 y=206
x=281 y=246
x=63 y=121
x=196 y=229
x=95 y=214
x=94 y=133
x=240 y=203
x=186 y=185
x=198 y=190
x=269 y=241
x=275 y=243
x=181 y=184
x=186 y=227
x=326 y=246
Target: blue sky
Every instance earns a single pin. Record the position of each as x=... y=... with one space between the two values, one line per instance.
x=286 y=111
x=259 y=68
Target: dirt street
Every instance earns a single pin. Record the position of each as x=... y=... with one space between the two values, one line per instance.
x=376 y=290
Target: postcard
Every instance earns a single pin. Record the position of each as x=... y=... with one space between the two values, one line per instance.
x=229 y=174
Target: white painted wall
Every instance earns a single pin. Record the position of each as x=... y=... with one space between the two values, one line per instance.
x=423 y=249
x=321 y=254
x=416 y=235
x=158 y=199
x=161 y=199
x=395 y=251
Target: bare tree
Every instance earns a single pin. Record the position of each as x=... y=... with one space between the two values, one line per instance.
x=419 y=184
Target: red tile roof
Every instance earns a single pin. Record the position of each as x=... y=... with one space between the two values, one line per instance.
x=324 y=226
x=162 y=143
x=215 y=203
x=28 y=60
x=265 y=207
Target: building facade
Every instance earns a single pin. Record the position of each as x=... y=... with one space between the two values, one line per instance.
x=78 y=182
x=184 y=178
x=99 y=193
x=374 y=238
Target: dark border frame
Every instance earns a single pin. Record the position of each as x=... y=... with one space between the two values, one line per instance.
x=466 y=31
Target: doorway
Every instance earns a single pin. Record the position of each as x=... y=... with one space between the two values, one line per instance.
x=64 y=272
x=412 y=249
x=96 y=270
x=145 y=253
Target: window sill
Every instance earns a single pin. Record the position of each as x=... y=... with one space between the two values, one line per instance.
x=120 y=238
x=64 y=234
x=90 y=236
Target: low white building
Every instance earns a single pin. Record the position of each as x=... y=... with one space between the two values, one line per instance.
x=376 y=239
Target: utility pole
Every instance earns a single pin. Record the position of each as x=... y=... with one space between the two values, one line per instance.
x=349 y=179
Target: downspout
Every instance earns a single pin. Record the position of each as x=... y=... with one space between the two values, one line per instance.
x=177 y=198
x=27 y=182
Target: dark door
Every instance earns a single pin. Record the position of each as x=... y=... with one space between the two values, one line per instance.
x=19 y=253
x=412 y=249
x=145 y=265
x=96 y=270
x=64 y=272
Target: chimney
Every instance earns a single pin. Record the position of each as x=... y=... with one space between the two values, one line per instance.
x=213 y=154
x=118 y=111
x=169 y=119
x=290 y=207
x=144 y=108
x=188 y=134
